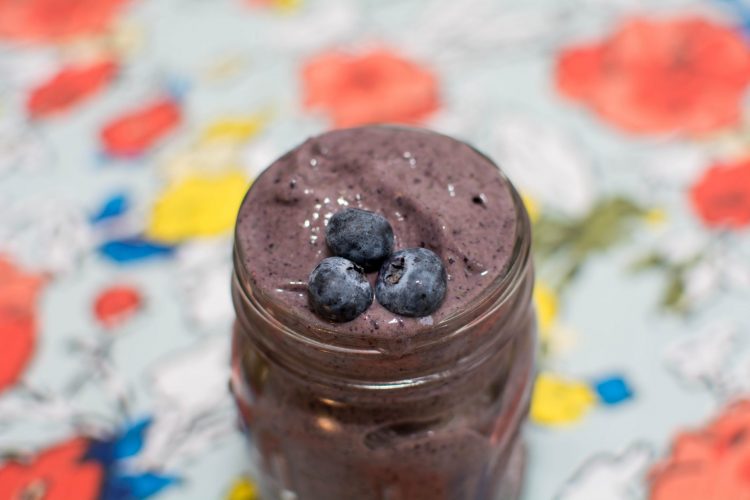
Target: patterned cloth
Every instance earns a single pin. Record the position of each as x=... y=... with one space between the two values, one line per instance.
x=130 y=130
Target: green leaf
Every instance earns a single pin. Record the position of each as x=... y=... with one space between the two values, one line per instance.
x=648 y=262
x=566 y=244
x=673 y=297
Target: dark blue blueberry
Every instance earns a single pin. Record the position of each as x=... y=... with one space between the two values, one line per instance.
x=411 y=282
x=338 y=290
x=365 y=238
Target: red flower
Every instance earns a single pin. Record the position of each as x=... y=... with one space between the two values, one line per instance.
x=721 y=197
x=709 y=463
x=117 y=304
x=58 y=473
x=377 y=86
x=18 y=294
x=654 y=76
x=53 y=20
x=136 y=131
x=69 y=87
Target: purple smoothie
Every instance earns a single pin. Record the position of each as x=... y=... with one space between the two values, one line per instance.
x=435 y=191
x=384 y=406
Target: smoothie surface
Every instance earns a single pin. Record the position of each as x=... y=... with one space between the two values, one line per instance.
x=435 y=191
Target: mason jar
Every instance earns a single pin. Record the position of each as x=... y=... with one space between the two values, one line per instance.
x=437 y=417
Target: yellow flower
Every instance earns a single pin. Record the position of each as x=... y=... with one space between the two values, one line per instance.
x=236 y=130
x=655 y=217
x=197 y=206
x=546 y=304
x=558 y=401
x=203 y=160
x=287 y=5
x=217 y=149
x=243 y=489
x=532 y=207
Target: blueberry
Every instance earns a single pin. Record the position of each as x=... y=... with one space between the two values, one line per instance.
x=363 y=237
x=411 y=282
x=338 y=290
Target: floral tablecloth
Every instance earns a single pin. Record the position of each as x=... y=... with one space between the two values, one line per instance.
x=130 y=129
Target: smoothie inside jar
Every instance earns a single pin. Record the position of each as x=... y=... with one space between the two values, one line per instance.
x=385 y=406
x=436 y=192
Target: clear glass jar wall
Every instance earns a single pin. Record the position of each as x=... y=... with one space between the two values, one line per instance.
x=442 y=419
